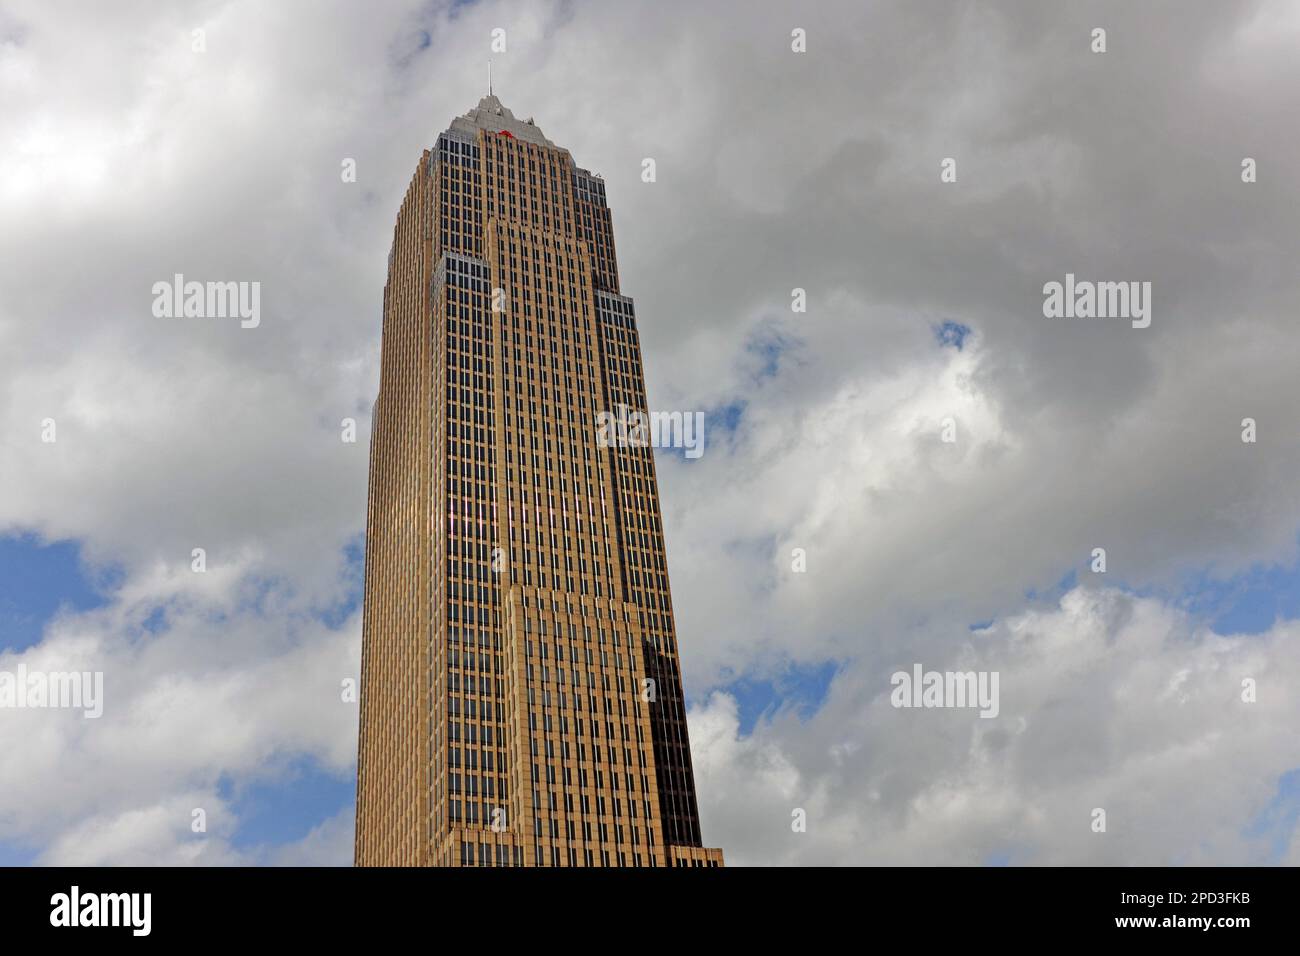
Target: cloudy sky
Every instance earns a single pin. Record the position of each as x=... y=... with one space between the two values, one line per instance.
x=127 y=156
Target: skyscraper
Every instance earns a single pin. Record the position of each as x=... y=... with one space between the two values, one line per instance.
x=521 y=698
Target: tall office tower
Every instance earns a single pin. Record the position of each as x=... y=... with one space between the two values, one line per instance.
x=521 y=699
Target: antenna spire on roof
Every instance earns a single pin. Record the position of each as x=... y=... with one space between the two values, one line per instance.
x=489 y=77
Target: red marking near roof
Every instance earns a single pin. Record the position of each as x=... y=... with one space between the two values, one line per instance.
x=506 y=132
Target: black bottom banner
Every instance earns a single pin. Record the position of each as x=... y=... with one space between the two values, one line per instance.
x=129 y=905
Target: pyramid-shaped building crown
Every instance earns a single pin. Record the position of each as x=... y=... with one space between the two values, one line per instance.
x=490 y=115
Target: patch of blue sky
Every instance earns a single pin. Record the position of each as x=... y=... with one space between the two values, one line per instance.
x=38 y=580
x=952 y=334
x=1276 y=823
x=802 y=688
x=285 y=806
x=766 y=348
x=1247 y=603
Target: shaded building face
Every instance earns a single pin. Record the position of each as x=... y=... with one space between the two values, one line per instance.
x=521 y=693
